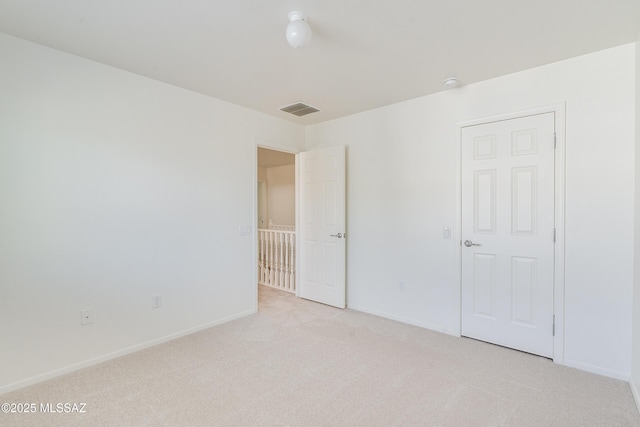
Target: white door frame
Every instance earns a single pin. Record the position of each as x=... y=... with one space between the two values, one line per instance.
x=270 y=145
x=559 y=214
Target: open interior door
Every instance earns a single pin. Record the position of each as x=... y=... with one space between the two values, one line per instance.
x=322 y=245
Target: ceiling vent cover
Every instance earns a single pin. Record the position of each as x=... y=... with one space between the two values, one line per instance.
x=299 y=109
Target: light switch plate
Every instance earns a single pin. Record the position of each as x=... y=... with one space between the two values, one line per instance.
x=446 y=233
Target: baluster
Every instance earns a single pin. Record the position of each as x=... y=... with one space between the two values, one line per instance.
x=285 y=270
x=267 y=257
x=290 y=253
x=293 y=261
x=278 y=263
x=274 y=281
x=259 y=256
x=285 y=253
x=272 y=256
x=274 y=271
x=263 y=245
x=265 y=260
x=272 y=251
x=279 y=260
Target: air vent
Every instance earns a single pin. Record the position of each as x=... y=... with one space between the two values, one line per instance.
x=299 y=109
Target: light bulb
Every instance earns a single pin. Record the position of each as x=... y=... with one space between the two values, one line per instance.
x=298 y=31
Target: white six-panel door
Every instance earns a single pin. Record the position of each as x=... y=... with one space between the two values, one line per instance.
x=322 y=226
x=508 y=233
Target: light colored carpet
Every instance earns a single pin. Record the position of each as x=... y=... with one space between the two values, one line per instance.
x=298 y=363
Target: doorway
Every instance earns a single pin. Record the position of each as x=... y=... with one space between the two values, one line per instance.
x=308 y=257
x=276 y=215
x=511 y=232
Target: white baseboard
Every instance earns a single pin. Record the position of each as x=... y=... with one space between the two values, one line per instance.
x=96 y=360
x=566 y=362
x=635 y=393
x=404 y=320
x=597 y=370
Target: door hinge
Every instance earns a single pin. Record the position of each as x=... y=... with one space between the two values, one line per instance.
x=554 y=235
x=554 y=141
x=553 y=328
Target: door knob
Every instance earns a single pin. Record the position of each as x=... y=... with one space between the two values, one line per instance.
x=469 y=243
x=339 y=235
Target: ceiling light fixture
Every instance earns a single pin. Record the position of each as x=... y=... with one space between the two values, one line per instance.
x=298 y=31
x=451 y=82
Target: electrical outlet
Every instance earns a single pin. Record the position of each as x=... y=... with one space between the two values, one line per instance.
x=156 y=301
x=86 y=316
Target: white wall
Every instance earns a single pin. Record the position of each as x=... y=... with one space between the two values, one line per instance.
x=281 y=182
x=115 y=188
x=402 y=189
x=635 y=363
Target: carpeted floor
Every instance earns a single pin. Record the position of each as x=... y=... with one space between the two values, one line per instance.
x=298 y=363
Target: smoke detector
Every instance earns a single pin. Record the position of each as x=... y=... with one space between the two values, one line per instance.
x=450 y=82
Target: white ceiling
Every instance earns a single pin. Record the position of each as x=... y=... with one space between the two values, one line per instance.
x=364 y=53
